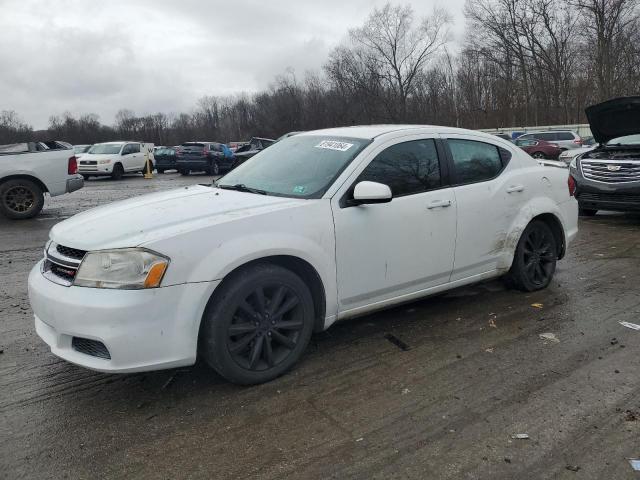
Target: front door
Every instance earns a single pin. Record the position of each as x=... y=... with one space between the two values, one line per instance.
x=391 y=250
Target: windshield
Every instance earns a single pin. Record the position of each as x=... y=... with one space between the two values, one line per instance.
x=626 y=140
x=299 y=167
x=102 y=148
x=80 y=148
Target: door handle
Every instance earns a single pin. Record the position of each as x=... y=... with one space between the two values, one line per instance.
x=515 y=188
x=439 y=203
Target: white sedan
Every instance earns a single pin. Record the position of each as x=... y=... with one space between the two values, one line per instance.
x=319 y=227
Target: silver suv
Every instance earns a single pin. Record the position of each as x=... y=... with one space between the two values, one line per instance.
x=565 y=139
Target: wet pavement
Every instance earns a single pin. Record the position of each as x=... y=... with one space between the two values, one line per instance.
x=475 y=372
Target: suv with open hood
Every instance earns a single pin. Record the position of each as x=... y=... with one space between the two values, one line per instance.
x=608 y=177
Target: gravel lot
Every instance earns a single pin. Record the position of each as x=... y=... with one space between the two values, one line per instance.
x=475 y=373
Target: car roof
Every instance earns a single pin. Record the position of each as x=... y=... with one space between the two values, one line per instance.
x=369 y=132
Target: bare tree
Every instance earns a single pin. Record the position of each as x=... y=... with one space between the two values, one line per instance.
x=401 y=50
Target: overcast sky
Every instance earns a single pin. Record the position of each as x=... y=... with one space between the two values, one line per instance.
x=86 y=56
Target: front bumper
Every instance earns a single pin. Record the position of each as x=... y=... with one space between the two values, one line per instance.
x=620 y=197
x=75 y=183
x=141 y=329
x=96 y=170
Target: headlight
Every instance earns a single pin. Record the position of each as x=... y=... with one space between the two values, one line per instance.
x=103 y=162
x=127 y=268
x=574 y=163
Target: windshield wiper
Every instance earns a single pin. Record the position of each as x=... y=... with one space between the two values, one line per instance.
x=241 y=187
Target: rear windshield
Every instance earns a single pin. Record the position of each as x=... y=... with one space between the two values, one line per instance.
x=108 y=148
x=192 y=147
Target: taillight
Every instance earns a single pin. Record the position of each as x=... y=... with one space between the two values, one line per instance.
x=72 y=166
x=571 y=183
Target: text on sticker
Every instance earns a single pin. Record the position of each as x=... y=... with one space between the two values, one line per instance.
x=333 y=145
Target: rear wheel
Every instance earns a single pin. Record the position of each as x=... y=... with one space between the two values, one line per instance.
x=257 y=325
x=184 y=172
x=161 y=170
x=539 y=155
x=535 y=258
x=214 y=169
x=20 y=198
x=118 y=171
x=587 y=212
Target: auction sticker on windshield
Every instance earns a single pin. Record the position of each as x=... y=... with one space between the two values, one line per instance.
x=334 y=145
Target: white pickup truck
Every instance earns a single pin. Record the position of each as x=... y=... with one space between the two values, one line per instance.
x=29 y=170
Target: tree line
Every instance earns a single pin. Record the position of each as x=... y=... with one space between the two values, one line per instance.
x=522 y=63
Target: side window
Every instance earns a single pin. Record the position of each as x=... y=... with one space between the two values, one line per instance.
x=135 y=147
x=476 y=161
x=564 y=136
x=548 y=137
x=407 y=168
x=126 y=150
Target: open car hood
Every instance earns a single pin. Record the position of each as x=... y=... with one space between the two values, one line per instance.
x=614 y=118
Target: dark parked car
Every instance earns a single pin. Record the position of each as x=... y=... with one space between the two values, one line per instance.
x=165 y=158
x=539 y=148
x=245 y=152
x=208 y=157
x=608 y=177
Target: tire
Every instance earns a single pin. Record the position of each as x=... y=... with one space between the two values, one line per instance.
x=539 y=155
x=586 y=212
x=117 y=172
x=86 y=177
x=247 y=346
x=214 y=169
x=161 y=170
x=534 y=262
x=184 y=172
x=20 y=198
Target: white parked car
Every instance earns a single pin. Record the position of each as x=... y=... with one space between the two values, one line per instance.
x=114 y=159
x=321 y=226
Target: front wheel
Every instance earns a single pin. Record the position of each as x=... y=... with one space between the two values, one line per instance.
x=257 y=325
x=214 y=169
x=184 y=172
x=535 y=258
x=20 y=199
x=118 y=172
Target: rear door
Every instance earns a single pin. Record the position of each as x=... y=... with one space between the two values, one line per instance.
x=489 y=192
x=132 y=158
x=391 y=250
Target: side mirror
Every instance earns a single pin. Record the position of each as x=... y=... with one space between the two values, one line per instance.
x=371 y=192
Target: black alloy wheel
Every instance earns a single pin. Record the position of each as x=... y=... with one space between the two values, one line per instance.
x=265 y=328
x=535 y=258
x=539 y=155
x=257 y=324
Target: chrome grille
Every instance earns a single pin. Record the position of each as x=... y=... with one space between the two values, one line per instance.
x=61 y=263
x=611 y=171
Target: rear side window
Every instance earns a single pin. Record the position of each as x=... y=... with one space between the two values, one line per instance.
x=476 y=161
x=407 y=168
x=564 y=136
x=549 y=137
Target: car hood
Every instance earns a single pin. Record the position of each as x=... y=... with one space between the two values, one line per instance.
x=614 y=118
x=152 y=217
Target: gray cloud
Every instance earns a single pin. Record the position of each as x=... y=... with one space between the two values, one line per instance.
x=162 y=55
